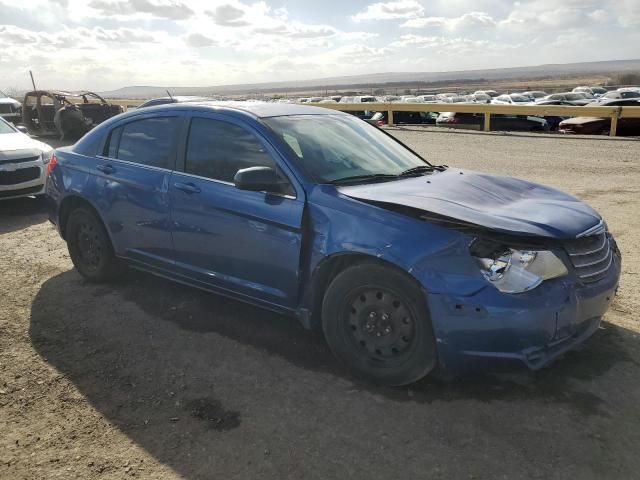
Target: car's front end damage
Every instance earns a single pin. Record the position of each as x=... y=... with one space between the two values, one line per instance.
x=540 y=300
x=524 y=274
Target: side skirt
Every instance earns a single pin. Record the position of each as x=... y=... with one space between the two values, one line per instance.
x=216 y=290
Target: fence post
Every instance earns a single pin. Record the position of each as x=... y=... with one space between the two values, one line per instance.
x=390 y=118
x=487 y=122
x=614 y=123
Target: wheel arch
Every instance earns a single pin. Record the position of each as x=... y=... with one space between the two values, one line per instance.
x=330 y=267
x=68 y=205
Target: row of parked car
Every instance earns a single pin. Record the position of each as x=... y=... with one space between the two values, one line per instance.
x=578 y=96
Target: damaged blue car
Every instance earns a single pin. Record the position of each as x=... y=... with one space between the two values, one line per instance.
x=405 y=266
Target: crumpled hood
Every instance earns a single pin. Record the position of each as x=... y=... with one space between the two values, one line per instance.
x=503 y=204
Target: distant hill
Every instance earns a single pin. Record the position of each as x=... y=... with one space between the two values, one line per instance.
x=367 y=80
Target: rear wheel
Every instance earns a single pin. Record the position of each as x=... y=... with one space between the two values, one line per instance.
x=90 y=247
x=375 y=319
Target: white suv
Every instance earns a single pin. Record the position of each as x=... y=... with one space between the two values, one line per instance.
x=23 y=163
x=10 y=109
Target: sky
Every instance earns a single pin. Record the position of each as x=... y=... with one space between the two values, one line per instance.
x=106 y=44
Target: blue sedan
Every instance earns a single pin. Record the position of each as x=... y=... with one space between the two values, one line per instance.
x=404 y=265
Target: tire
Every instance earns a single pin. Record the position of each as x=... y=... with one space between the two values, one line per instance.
x=90 y=247
x=375 y=319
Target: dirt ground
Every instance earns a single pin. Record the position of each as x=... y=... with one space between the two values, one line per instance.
x=149 y=379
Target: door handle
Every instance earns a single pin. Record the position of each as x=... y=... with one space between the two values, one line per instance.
x=186 y=187
x=106 y=169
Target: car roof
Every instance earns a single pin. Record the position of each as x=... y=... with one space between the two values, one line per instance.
x=257 y=109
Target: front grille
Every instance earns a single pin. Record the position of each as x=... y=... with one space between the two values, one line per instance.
x=20 y=160
x=590 y=256
x=22 y=191
x=19 y=176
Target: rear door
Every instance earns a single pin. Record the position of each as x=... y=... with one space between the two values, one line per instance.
x=133 y=173
x=242 y=241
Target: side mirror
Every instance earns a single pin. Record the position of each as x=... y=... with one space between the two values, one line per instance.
x=22 y=128
x=257 y=179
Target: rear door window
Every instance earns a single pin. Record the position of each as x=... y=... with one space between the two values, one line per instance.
x=150 y=142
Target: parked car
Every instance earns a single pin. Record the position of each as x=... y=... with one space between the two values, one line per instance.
x=475 y=121
x=10 y=108
x=582 y=90
x=428 y=98
x=359 y=99
x=602 y=126
x=618 y=95
x=480 y=98
x=65 y=114
x=173 y=99
x=629 y=89
x=575 y=98
x=404 y=118
x=512 y=99
x=533 y=95
x=491 y=93
x=553 y=120
x=411 y=100
x=456 y=99
x=594 y=92
x=444 y=96
x=403 y=265
x=23 y=162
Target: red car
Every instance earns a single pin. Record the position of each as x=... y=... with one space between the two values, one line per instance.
x=600 y=126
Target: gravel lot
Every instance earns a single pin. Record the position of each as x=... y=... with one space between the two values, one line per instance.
x=149 y=379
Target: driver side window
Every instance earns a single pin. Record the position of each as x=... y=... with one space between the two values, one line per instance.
x=217 y=150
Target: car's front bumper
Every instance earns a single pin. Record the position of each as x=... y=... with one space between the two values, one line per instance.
x=532 y=328
x=21 y=179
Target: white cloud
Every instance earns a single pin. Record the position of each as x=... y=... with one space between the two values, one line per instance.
x=170 y=9
x=420 y=41
x=471 y=20
x=78 y=37
x=390 y=11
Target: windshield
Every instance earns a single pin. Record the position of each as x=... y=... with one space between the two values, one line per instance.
x=519 y=98
x=574 y=96
x=5 y=127
x=333 y=147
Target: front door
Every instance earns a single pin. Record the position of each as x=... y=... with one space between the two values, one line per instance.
x=243 y=241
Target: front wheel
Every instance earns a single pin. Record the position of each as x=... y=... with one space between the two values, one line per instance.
x=375 y=319
x=90 y=247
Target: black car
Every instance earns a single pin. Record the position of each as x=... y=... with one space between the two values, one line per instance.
x=404 y=118
x=475 y=121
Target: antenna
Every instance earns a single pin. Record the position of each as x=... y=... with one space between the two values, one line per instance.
x=32 y=81
x=169 y=95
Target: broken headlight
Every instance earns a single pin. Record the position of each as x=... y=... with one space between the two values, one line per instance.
x=517 y=271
